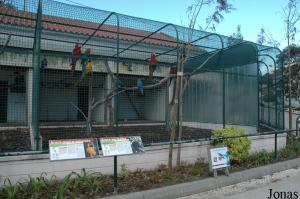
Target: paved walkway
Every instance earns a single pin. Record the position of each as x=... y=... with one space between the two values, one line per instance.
x=287 y=182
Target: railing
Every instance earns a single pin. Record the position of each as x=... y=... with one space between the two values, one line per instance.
x=209 y=139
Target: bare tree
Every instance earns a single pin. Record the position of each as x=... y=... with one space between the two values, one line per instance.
x=236 y=37
x=115 y=90
x=194 y=12
x=291 y=17
x=181 y=79
x=265 y=37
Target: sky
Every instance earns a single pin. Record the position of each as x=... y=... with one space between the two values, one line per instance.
x=252 y=15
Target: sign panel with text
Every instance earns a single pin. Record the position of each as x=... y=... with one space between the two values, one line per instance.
x=219 y=157
x=73 y=149
x=112 y=146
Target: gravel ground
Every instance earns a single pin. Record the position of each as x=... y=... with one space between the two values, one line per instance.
x=285 y=181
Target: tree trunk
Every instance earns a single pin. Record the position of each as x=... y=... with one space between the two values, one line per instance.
x=174 y=116
x=173 y=125
x=290 y=84
x=180 y=115
x=90 y=101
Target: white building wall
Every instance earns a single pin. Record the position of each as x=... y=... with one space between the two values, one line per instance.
x=56 y=104
x=16 y=110
x=155 y=106
x=98 y=112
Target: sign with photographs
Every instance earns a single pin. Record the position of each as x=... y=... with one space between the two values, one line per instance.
x=112 y=146
x=73 y=149
x=136 y=144
x=219 y=157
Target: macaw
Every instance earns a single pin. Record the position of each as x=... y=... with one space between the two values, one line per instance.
x=140 y=86
x=86 y=62
x=89 y=66
x=120 y=83
x=152 y=66
x=76 y=52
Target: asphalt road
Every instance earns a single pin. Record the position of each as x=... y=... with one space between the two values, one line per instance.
x=285 y=184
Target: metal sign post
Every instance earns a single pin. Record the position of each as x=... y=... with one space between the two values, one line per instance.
x=116 y=146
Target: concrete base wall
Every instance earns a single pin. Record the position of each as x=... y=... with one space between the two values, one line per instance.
x=17 y=168
x=213 y=126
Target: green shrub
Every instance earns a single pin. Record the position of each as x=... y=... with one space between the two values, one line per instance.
x=36 y=186
x=238 y=147
x=124 y=173
x=292 y=149
x=63 y=187
x=88 y=182
x=259 y=158
x=11 y=191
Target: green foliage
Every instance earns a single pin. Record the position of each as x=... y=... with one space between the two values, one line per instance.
x=88 y=181
x=50 y=186
x=238 y=147
x=259 y=158
x=235 y=38
x=11 y=191
x=292 y=149
x=264 y=38
x=198 y=167
x=63 y=187
x=124 y=173
x=87 y=184
x=221 y=7
x=36 y=186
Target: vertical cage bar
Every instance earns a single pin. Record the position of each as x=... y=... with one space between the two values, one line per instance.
x=36 y=79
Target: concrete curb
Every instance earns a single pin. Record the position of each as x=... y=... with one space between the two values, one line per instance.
x=186 y=189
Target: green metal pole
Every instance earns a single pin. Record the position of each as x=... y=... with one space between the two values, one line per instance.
x=269 y=111
x=262 y=113
x=36 y=77
x=117 y=107
x=275 y=145
x=268 y=89
x=276 y=102
x=258 y=90
x=223 y=95
x=282 y=92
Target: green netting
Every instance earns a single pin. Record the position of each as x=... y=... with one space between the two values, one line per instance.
x=225 y=90
x=271 y=87
x=49 y=92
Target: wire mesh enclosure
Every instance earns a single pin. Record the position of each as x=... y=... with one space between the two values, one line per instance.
x=71 y=72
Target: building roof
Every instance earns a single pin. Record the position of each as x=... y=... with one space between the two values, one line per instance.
x=60 y=24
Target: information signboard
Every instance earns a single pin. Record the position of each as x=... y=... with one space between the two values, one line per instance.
x=219 y=157
x=112 y=146
x=73 y=149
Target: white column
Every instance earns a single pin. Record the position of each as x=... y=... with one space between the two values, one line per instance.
x=29 y=79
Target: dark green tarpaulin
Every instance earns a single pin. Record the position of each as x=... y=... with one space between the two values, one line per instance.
x=238 y=55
